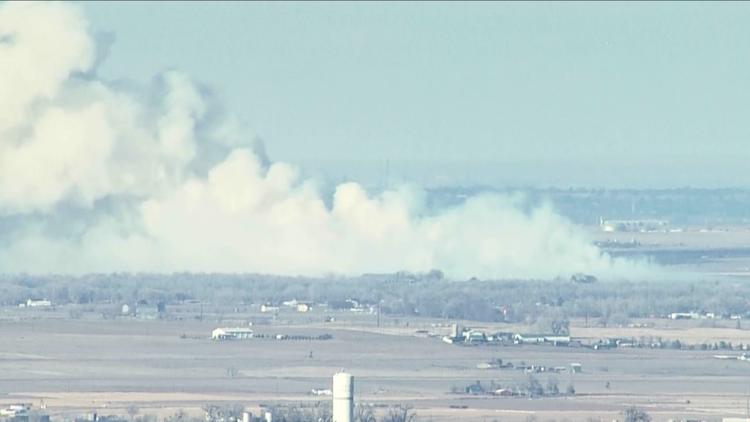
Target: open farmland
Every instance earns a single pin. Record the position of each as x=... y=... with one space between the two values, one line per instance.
x=90 y=364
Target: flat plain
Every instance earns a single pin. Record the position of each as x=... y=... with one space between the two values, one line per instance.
x=90 y=364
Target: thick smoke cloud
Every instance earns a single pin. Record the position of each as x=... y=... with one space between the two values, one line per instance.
x=96 y=177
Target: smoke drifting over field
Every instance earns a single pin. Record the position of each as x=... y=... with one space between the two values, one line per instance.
x=99 y=177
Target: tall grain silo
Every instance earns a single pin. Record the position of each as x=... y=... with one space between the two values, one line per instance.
x=343 y=397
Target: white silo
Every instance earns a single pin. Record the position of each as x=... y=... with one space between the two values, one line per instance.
x=343 y=397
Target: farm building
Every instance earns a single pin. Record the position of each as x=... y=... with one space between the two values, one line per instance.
x=237 y=333
x=474 y=336
x=266 y=308
x=556 y=339
x=528 y=338
x=16 y=410
x=36 y=303
x=684 y=315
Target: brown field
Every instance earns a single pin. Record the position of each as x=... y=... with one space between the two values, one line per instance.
x=92 y=364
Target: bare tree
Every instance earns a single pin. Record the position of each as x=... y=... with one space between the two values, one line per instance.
x=552 y=386
x=634 y=414
x=400 y=413
x=232 y=372
x=179 y=416
x=148 y=417
x=534 y=387
x=297 y=413
x=364 y=413
x=132 y=411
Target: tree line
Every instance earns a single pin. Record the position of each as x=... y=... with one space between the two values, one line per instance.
x=399 y=294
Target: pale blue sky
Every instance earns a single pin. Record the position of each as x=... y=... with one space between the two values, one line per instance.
x=597 y=94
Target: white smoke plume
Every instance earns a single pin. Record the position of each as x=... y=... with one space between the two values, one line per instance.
x=95 y=177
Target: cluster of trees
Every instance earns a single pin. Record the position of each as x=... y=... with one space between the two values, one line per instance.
x=659 y=343
x=634 y=414
x=312 y=413
x=317 y=412
x=321 y=412
x=528 y=387
x=548 y=303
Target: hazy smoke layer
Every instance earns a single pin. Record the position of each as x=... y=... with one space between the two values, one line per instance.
x=99 y=177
